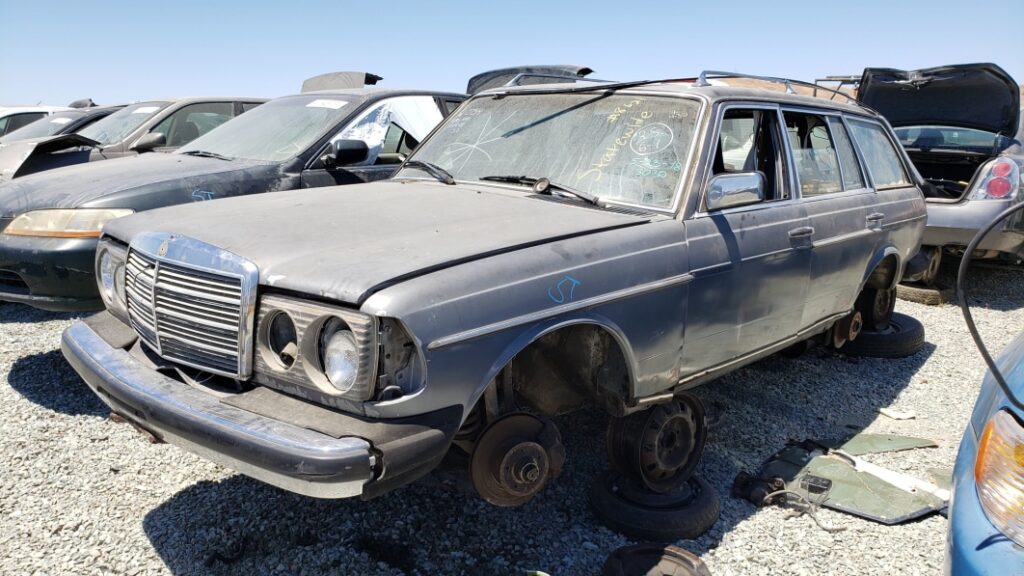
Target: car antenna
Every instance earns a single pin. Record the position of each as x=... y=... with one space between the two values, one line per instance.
x=961 y=296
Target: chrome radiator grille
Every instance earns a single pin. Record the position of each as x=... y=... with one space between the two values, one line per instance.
x=188 y=315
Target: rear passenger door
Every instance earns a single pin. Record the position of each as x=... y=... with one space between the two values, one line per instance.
x=840 y=207
x=750 y=263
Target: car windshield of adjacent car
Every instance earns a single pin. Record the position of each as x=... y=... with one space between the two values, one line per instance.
x=619 y=147
x=946 y=137
x=120 y=124
x=43 y=127
x=275 y=131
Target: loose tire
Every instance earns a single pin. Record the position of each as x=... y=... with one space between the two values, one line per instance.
x=644 y=515
x=903 y=337
x=927 y=295
x=647 y=558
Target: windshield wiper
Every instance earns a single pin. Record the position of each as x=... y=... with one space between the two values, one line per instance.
x=545 y=186
x=205 y=154
x=434 y=170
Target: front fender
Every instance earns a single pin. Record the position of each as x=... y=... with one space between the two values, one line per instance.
x=536 y=331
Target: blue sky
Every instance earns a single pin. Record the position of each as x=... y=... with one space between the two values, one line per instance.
x=114 y=51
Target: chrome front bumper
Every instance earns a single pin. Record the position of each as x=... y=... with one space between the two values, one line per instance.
x=278 y=453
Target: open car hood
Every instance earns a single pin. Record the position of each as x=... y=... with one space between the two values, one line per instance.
x=17 y=156
x=978 y=96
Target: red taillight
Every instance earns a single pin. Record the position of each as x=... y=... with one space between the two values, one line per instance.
x=1002 y=169
x=998 y=187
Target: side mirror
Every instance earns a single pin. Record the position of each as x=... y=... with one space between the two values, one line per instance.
x=737 y=189
x=345 y=152
x=149 y=142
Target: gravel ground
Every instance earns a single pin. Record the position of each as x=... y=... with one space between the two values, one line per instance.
x=80 y=494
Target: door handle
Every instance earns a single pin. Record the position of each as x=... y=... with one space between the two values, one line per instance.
x=875 y=217
x=802 y=232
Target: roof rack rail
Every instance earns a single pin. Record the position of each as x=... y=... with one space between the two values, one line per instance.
x=788 y=82
x=840 y=80
x=517 y=80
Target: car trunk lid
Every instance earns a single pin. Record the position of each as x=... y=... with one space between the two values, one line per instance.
x=978 y=96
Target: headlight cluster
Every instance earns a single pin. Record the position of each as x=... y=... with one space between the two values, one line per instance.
x=999 y=474
x=110 y=276
x=313 y=345
x=64 y=223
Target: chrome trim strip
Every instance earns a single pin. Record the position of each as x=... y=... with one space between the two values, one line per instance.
x=562 y=309
x=844 y=238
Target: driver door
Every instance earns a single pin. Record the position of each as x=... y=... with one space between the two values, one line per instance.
x=751 y=263
x=391 y=129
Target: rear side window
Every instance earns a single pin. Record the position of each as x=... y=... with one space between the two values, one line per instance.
x=814 y=152
x=880 y=156
x=853 y=179
x=22 y=120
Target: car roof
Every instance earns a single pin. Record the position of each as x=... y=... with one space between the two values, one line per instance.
x=373 y=93
x=191 y=99
x=716 y=92
x=4 y=110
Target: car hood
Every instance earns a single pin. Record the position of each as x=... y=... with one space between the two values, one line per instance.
x=346 y=242
x=15 y=155
x=76 y=186
x=978 y=96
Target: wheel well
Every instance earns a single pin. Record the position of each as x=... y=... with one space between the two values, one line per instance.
x=884 y=274
x=568 y=369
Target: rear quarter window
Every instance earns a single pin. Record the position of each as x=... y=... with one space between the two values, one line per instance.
x=880 y=156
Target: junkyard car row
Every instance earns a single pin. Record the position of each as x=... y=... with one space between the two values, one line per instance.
x=495 y=261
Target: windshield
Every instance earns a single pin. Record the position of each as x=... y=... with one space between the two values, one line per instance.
x=946 y=137
x=43 y=127
x=120 y=124
x=621 y=148
x=275 y=131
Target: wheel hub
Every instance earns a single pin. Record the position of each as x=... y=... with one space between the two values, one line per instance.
x=514 y=459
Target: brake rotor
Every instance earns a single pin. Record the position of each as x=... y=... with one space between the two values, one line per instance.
x=514 y=458
x=662 y=446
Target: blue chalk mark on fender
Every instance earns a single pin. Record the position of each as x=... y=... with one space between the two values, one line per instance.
x=564 y=291
x=201 y=195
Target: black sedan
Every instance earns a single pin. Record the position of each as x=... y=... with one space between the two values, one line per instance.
x=50 y=222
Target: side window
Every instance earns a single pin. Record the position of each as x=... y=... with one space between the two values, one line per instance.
x=192 y=121
x=814 y=152
x=880 y=156
x=450 y=106
x=853 y=179
x=20 y=120
x=393 y=128
x=749 y=141
x=246 y=106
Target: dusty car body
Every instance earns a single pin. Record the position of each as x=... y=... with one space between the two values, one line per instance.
x=157 y=125
x=960 y=125
x=63 y=122
x=282 y=145
x=339 y=341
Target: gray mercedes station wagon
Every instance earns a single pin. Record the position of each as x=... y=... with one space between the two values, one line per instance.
x=547 y=248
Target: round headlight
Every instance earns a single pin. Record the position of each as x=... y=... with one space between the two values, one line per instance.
x=340 y=355
x=282 y=339
x=108 y=271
